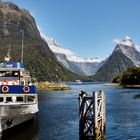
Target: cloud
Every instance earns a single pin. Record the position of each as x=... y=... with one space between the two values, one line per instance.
x=43 y=35
x=137 y=47
x=54 y=46
x=116 y=41
x=32 y=12
x=126 y=42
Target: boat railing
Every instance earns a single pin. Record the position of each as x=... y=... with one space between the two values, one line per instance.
x=18 y=98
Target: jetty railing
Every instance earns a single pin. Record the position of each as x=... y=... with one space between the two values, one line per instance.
x=92 y=112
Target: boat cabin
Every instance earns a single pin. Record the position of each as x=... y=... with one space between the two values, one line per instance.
x=13 y=73
x=14 y=80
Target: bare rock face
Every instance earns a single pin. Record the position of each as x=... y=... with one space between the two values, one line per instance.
x=80 y=66
x=38 y=58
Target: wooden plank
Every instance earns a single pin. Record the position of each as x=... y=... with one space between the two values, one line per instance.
x=92 y=115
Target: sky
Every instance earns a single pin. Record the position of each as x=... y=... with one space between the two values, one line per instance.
x=86 y=27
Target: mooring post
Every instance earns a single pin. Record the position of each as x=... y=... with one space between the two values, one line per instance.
x=81 y=113
x=103 y=110
x=81 y=96
x=92 y=116
x=95 y=110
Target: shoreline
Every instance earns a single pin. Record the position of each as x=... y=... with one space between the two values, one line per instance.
x=47 y=86
x=131 y=86
x=111 y=84
x=124 y=86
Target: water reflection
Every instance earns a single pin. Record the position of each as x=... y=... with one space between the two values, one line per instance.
x=58 y=118
x=26 y=131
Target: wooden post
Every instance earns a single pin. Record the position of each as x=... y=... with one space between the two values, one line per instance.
x=92 y=116
x=81 y=112
x=95 y=111
x=103 y=110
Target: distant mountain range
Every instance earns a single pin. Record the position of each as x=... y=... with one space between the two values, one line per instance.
x=38 y=58
x=81 y=66
x=125 y=55
x=47 y=61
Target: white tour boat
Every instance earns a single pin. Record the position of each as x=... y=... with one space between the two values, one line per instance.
x=18 y=97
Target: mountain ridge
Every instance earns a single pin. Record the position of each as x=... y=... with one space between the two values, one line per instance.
x=38 y=57
x=81 y=66
x=125 y=55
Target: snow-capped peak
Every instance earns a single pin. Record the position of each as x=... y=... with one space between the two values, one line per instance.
x=88 y=60
x=55 y=47
x=127 y=41
x=129 y=49
x=127 y=38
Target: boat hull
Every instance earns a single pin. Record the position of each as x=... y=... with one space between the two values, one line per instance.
x=13 y=115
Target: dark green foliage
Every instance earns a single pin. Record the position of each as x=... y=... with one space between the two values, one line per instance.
x=38 y=58
x=117 y=79
x=131 y=76
x=116 y=64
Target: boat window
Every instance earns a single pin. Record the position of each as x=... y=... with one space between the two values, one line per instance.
x=1 y=99
x=9 y=99
x=9 y=74
x=2 y=74
x=19 y=99
x=15 y=74
x=30 y=98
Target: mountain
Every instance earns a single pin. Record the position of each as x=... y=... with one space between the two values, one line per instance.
x=125 y=55
x=81 y=66
x=38 y=58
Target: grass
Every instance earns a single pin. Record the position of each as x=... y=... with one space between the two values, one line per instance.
x=47 y=86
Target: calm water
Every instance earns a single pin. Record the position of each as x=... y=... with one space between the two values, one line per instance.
x=58 y=116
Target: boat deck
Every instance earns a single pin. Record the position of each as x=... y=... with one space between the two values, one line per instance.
x=18 y=99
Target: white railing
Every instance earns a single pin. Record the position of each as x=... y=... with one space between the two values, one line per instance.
x=16 y=98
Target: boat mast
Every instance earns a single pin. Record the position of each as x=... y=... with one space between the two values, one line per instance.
x=22 y=33
x=7 y=58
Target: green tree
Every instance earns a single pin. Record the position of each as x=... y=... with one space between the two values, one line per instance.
x=117 y=79
x=131 y=76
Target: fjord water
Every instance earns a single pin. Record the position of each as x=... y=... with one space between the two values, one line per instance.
x=58 y=117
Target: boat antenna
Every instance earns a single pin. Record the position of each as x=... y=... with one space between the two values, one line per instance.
x=7 y=58
x=22 y=33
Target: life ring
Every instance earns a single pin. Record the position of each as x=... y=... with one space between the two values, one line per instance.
x=15 y=82
x=5 y=89
x=26 y=89
x=5 y=82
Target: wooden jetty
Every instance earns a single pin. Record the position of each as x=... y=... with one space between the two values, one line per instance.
x=92 y=113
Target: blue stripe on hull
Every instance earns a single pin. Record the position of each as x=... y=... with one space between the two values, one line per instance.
x=11 y=65
x=19 y=89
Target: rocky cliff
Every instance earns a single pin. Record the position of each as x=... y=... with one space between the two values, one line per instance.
x=80 y=66
x=38 y=58
x=125 y=55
